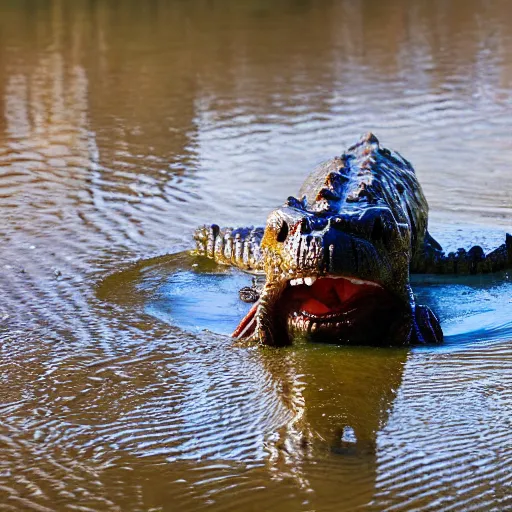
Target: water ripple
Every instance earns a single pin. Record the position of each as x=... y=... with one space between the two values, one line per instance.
x=121 y=129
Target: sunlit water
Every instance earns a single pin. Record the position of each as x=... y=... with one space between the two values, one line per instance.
x=123 y=125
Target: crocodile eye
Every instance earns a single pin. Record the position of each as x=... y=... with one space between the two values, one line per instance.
x=283 y=232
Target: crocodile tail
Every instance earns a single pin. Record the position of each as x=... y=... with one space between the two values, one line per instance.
x=237 y=247
x=462 y=262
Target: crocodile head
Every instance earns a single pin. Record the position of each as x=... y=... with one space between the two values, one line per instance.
x=337 y=258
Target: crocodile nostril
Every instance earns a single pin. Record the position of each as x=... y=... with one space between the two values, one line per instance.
x=283 y=232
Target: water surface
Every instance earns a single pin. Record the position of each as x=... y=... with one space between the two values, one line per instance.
x=125 y=125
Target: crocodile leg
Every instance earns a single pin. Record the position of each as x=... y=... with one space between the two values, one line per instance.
x=433 y=260
x=239 y=247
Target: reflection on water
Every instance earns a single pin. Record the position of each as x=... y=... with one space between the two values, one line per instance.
x=122 y=127
x=329 y=402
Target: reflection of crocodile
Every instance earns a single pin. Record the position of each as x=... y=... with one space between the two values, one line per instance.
x=337 y=260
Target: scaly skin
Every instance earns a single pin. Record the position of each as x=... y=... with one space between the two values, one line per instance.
x=362 y=215
x=238 y=247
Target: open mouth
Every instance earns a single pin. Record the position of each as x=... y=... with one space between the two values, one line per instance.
x=333 y=309
x=341 y=309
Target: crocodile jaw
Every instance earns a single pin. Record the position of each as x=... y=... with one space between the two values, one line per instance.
x=262 y=323
x=329 y=308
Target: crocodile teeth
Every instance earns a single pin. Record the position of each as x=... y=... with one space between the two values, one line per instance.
x=310 y=280
x=354 y=280
x=362 y=281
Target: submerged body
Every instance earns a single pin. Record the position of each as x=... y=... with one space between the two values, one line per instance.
x=337 y=258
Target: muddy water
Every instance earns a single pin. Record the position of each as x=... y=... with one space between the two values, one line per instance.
x=123 y=125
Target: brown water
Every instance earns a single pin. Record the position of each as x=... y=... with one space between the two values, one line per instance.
x=123 y=125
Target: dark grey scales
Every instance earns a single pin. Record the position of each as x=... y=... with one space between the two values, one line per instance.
x=337 y=258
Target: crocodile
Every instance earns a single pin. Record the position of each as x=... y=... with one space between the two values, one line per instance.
x=337 y=258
